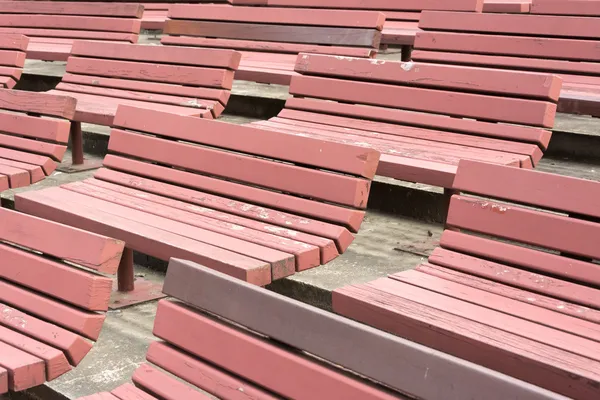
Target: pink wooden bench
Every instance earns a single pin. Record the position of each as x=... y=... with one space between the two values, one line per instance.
x=256 y=205
x=13 y=49
x=423 y=118
x=34 y=137
x=514 y=285
x=271 y=38
x=52 y=297
x=232 y=363
x=53 y=25
x=555 y=37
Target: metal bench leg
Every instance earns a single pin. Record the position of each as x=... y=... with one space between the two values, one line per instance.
x=78 y=162
x=125 y=274
x=406 y=53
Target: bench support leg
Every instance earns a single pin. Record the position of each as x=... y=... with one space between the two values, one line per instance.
x=448 y=193
x=78 y=162
x=131 y=290
x=406 y=53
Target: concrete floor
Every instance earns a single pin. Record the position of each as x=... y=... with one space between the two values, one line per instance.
x=393 y=237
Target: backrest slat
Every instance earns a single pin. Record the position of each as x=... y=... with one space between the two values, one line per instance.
x=37 y=103
x=560 y=7
x=73 y=22
x=417 y=5
x=72 y=8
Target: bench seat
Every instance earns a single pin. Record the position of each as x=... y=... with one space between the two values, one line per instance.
x=259 y=206
x=527 y=42
x=270 y=38
x=421 y=117
x=513 y=285
x=54 y=290
x=53 y=26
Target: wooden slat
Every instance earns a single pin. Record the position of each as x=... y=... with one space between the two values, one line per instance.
x=215 y=58
x=38 y=103
x=50 y=204
x=318 y=153
x=572 y=7
x=466 y=79
x=560 y=289
x=530 y=187
x=278 y=176
x=507 y=6
x=47 y=164
x=12 y=58
x=129 y=392
x=69 y=8
x=457 y=104
x=84 y=248
x=55 y=361
x=71 y=22
x=540 y=364
x=416 y=5
x=56 y=130
x=72 y=285
x=24 y=370
x=164 y=386
x=515 y=223
x=54 y=151
x=280 y=370
x=276 y=33
x=280 y=16
x=35 y=33
x=74 y=347
x=273 y=47
x=16 y=177
x=381 y=356
x=183 y=75
x=13 y=41
x=85 y=323
x=203 y=375
x=35 y=172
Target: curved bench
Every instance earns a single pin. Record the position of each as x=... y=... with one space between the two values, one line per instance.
x=13 y=49
x=271 y=38
x=52 y=297
x=34 y=137
x=423 y=118
x=262 y=344
x=53 y=25
x=555 y=37
x=254 y=204
x=514 y=285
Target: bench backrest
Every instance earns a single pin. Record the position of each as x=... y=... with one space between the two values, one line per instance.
x=278 y=30
x=13 y=50
x=544 y=226
x=475 y=101
x=180 y=76
x=51 y=290
x=34 y=137
x=563 y=44
x=72 y=20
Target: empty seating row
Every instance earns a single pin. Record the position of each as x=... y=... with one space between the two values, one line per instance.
x=254 y=204
x=555 y=37
x=424 y=118
x=54 y=290
x=252 y=343
x=514 y=285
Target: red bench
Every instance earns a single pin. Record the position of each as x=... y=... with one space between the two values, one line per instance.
x=183 y=81
x=12 y=59
x=52 y=297
x=52 y=26
x=256 y=205
x=423 y=118
x=236 y=363
x=34 y=137
x=271 y=38
x=552 y=39
x=514 y=285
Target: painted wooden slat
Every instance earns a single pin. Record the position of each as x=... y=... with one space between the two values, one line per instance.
x=456 y=104
x=51 y=129
x=69 y=8
x=85 y=323
x=572 y=7
x=12 y=58
x=105 y=24
x=416 y=5
x=38 y=103
x=47 y=164
x=464 y=79
x=74 y=346
x=54 y=151
x=276 y=33
x=506 y=6
x=164 y=386
x=317 y=153
x=50 y=204
x=24 y=370
x=280 y=16
x=216 y=58
x=249 y=170
x=92 y=251
x=34 y=33
x=16 y=177
x=129 y=392
x=13 y=41
x=35 y=172
x=203 y=375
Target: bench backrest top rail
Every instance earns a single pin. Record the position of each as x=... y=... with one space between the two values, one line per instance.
x=383 y=5
x=113 y=10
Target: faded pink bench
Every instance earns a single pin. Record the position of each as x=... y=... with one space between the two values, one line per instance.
x=559 y=37
x=271 y=38
x=216 y=357
x=514 y=285
x=54 y=291
x=423 y=118
x=52 y=26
